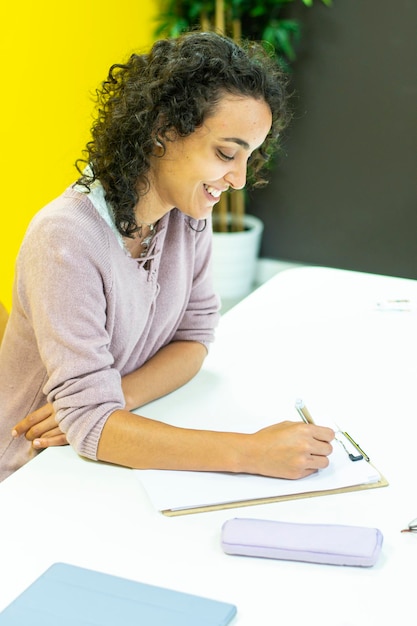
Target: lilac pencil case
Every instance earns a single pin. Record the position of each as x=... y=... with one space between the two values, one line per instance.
x=315 y=543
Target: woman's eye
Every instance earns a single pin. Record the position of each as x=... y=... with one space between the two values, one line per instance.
x=225 y=157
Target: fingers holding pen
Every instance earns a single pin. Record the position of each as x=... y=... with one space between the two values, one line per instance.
x=321 y=433
x=322 y=437
x=289 y=450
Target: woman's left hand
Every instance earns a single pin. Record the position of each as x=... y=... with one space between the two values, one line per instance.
x=40 y=427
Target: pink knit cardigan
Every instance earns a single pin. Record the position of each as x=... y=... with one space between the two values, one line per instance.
x=85 y=313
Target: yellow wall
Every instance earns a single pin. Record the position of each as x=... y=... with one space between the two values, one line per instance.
x=53 y=55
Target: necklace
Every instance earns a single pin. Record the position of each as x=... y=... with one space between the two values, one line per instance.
x=146 y=241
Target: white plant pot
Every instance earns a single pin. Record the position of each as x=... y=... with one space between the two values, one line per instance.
x=235 y=256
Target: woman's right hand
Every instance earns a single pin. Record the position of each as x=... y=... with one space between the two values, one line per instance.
x=288 y=450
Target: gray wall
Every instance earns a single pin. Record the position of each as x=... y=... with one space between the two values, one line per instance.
x=344 y=192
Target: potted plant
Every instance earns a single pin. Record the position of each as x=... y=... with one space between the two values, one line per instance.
x=260 y=20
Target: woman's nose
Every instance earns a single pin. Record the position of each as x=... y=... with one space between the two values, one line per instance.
x=236 y=177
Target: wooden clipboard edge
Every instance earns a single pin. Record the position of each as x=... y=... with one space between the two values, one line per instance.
x=257 y=501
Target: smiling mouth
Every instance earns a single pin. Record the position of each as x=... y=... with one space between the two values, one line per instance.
x=213 y=192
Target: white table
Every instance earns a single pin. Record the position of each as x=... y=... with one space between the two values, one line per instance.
x=313 y=332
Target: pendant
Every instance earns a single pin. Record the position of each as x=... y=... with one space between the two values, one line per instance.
x=146 y=242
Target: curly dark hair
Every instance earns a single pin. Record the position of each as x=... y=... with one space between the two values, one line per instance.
x=174 y=87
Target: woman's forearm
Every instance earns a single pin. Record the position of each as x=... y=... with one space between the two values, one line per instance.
x=135 y=441
x=284 y=450
x=170 y=368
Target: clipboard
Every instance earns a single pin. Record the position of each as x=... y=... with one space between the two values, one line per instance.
x=176 y=493
x=257 y=501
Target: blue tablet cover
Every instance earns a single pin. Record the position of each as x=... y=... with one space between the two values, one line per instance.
x=66 y=595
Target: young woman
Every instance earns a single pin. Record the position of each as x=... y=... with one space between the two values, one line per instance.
x=113 y=303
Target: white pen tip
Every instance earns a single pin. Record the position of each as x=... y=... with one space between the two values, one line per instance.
x=299 y=403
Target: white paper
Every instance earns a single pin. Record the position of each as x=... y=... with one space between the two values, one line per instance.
x=177 y=490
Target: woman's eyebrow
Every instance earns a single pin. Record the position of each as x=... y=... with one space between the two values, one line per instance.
x=240 y=142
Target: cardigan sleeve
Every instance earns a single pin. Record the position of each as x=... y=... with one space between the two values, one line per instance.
x=62 y=274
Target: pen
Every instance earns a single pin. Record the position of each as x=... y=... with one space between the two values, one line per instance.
x=411 y=528
x=395 y=305
x=303 y=412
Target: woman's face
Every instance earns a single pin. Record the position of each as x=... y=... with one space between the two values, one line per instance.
x=195 y=170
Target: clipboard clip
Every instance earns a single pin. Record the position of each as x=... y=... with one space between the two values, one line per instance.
x=353 y=457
